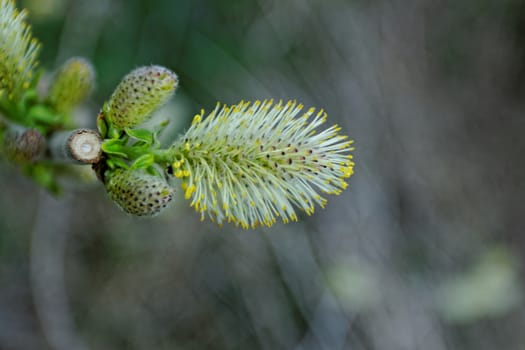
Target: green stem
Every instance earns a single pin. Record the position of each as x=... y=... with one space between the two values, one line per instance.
x=164 y=156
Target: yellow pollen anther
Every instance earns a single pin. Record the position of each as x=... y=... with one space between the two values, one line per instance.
x=189 y=191
x=196 y=119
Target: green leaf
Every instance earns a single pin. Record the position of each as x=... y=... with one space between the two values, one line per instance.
x=117 y=163
x=10 y=110
x=153 y=171
x=112 y=132
x=141 y=135
x=41 y=114
x=102 y=126
x=114 y=147
x=143 y=162
x=29 y=97
x=105 y=108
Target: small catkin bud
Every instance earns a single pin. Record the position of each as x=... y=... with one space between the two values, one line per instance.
x=138 y=193
x=139 y=94
x=71 y=85
x=25 y=146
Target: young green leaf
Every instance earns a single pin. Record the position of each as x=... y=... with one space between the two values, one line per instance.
x=143 y=162
x=115 y=147
x=40 y=114
x=102 y=126
x=143 y=135
x=116 y=163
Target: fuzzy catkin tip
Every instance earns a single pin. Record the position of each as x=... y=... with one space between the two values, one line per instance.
x=18 y=51
x=138 y=193
x=252 y=163
x=139 y=94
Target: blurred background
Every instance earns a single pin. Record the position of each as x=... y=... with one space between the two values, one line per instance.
x=425 y=250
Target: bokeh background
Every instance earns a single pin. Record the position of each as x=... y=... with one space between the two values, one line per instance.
x=425 y=250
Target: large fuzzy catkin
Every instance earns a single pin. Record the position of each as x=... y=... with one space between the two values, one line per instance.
x=251 y=163
x=138 y=193
x=139 y=94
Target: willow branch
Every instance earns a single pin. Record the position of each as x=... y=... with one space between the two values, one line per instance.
x=27 y=145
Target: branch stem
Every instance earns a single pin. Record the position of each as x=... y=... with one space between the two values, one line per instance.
x=163 y=156
x=27 y=145
x=80 y=146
